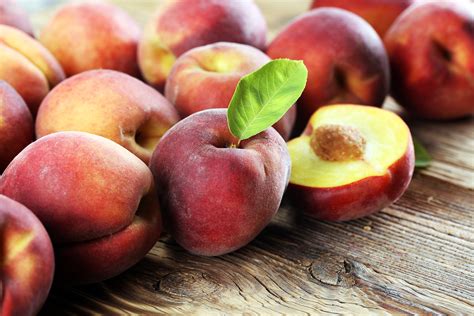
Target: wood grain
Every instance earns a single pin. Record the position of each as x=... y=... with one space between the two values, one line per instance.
x=415 y=257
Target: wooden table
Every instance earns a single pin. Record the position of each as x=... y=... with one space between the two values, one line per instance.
x=416 y=256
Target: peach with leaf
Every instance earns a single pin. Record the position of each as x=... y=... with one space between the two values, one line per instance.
x=221 y=174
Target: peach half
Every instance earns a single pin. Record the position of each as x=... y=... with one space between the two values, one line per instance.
x=350 y=161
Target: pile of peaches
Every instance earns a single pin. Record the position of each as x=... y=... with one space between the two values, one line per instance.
x=110 y=134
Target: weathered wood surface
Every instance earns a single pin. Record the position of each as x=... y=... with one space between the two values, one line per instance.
x=416 y=256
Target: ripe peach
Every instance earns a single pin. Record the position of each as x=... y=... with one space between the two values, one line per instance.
x=206 y=77
x=27 y=66
x=431 y=50
x=93 y=197
x=379 y=13
x=351 y=161
x=216 y=198
x=16 y=124
x=13 y=15
x=27 y=262
x=345 y=57
x=179 y=26
x=110 y=104
x=93 y=35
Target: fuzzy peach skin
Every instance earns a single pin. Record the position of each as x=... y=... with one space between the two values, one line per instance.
x=379 y=13
x=180 y=25
x=431 y=50
x=13 y=15
x=95 y=199
x=27 y=66
x=345 y=57
x=110 y=104
x=217 y=199
x=93 y=35
x=27 y=260
x=367 y=194
x=16 y=124
x=206 y=77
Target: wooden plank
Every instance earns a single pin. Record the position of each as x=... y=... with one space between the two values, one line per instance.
x=415 y=257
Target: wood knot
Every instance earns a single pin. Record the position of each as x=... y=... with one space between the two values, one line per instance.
x=331 y=269
x=187 y=284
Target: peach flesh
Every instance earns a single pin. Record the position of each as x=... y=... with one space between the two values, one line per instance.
x=352 y=188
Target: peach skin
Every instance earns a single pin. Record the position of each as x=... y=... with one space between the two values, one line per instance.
x=95 y=199
x=16 y=124
x=93 y=35
x=431 y=50
x=180 y=25
x=13 y=15
x=345 y=57
x=216 y=198
x=27 y=66
x=206 y=77
x=379 y=13
x=110 y=104
x=26 y=260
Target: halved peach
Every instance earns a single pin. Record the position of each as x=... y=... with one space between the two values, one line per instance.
x=350 y=161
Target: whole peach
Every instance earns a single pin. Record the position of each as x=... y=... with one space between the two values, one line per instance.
x=93 y=35
x=180 y=25
x=27 y=66
x=431 y=50
x=27 y=263
x=206 y=77
x=16 y=124
x=216 y=198
x=13 y=15
x=345 y=57
x=379 y=13
x=95 y=199
x=110 y=104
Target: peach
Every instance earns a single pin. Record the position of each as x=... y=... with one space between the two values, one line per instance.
x=93 y=35
x=110 y=104
x=217 y=198
x=94 y=198
x=27 y=260
x=431 y=50
x=27 y=66
x=13 y=15
x=379 y=13
x=179 y=26
x=206 y=77
x=345 y=57
x=350 y=161
x=16 y=124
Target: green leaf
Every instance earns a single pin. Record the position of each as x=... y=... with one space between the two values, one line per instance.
x=422 y=157
x=264 y=96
